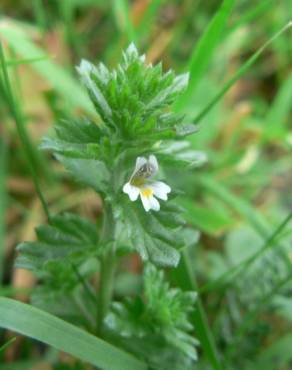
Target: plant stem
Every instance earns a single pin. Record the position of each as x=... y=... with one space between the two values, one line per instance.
x=107 y=268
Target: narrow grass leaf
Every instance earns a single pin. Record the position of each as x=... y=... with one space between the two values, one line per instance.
x=7 y=344
x=35 y=163
x=281 y=107
x=233 y=272
x=40 y=13
x=3 y=199
x=16 y=62
x=34 y=323
x=122 y=15
x=148 y=17
x=239 y=73
x=204 y=50
x=242 y=207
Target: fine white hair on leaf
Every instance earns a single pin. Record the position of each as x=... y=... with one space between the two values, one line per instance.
x=85 y=67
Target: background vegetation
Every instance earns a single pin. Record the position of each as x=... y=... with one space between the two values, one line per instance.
x=240 y=94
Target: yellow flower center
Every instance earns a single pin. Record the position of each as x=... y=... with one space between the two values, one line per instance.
x=147 y=192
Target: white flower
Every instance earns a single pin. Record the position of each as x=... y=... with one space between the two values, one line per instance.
x=140 y=184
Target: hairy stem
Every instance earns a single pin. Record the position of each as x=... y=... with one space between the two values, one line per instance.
x=107 y=268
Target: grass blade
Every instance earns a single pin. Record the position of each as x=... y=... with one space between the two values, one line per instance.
x=34 y=323
x=7 y=344
x=3 y=199
x=122 y=16
x=16 y=62
x=33 y=160
x=203 y=52
x=279 y=110
x=239 y=73
x=231 y=273
x=148 y=18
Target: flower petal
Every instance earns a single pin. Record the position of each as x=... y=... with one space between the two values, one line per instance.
x=140 y=161
x=145 y=202
x=131 y=190
x=154 y=204
x=160 y=189
x=153 y=162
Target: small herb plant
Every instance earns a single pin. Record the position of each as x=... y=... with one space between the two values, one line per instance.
x=136 y=129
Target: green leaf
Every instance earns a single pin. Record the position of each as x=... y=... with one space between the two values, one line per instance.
x=3 y=199
x=278 y=353
x=204 y=50
x=35 y=163
x=132 y=100
x=251 y=238
x=121 y=10
x=16 y=62
x=63 y=258
x=78 y=138
x=90 y=172
x=149 y=14
x=279 y=111
x=37 y=324
x=86 y=70
x=68 y=238
x=78 y=131
x=209 y=220
x=178 y=153
x=7 y=344
x=161 y=312
x=239 y=73
x=186 y=129
x=167 y=307
x=156 y=235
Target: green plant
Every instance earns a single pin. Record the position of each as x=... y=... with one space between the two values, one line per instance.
x=135 y=124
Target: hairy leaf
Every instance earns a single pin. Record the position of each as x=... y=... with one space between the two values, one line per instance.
x=154 y=235
x=132 y=99
x=68 y=238
x=157 y=320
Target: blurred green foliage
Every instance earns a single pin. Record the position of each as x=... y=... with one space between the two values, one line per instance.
x=239 y=198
